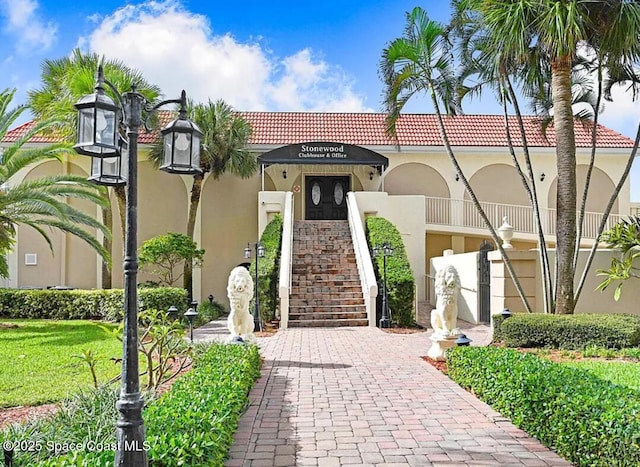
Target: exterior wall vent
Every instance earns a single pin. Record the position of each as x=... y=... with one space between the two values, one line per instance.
x=31 y=259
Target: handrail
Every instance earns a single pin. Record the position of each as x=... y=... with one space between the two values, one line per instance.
x=462 y=213
x=286 y=258
x=363 y=259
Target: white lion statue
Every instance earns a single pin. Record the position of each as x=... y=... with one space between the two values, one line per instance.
x=444 y=316
x=240 y=292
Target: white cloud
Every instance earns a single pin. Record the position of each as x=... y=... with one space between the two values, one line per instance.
x=623 y=114
x=31 y=30
x=176 y=49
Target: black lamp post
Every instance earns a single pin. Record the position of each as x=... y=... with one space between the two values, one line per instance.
x=259 y=252
x=100 y=123
x=385 y=250
x=191 y=314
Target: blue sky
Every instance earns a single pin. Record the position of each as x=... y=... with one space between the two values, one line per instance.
x=256 y=55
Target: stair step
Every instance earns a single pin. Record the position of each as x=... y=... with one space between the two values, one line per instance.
x=327 y=323
x=314 y=300
x=324 y=312
x=325 y=295
x=358 y=308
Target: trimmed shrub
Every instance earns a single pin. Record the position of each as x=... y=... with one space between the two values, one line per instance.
x=586 y=420
x=400 y=281
x=268 y=269
x=83 y=304
x=575 y=332
x=192 y=424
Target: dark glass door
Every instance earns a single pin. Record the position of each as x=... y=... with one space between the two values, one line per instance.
x=326 y=198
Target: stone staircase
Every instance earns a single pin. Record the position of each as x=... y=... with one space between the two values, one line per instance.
x=326 y=289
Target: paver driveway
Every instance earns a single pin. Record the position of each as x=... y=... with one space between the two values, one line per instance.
x=345 y=396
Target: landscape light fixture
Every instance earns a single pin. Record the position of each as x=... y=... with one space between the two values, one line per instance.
x=109 y=131
x=463 y=341
x=191 y=314
x=259 y=253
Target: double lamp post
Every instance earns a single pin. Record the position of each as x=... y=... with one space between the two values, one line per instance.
x=259 y=253
x=385 y=250
x=108 y=133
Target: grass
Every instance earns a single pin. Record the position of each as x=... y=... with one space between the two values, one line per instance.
x=619 y=366
x=624 y=373
x=38 y=363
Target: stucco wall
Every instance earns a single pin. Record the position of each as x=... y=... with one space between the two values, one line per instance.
x=80 y=268
x=229 y=221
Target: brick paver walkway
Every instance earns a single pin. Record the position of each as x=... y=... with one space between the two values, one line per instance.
x=360 y=396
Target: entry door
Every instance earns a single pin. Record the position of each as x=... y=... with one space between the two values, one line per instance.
x=326 y=198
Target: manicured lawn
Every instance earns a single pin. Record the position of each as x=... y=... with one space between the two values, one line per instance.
x=618 y=372
x=37 y=358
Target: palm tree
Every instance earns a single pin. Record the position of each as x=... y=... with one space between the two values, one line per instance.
x=40 y=203
x=421 y=62
x=64 y=82
x=223 y=150
x=555 y=30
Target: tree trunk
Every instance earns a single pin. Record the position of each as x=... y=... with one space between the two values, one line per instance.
x=107 y=220
x=566 y=199
x=531 y=192
x=592 y=160
x=474 y=199
x=121 y=196
x=196 y=192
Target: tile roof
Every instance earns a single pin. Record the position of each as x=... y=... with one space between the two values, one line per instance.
x=367 y=129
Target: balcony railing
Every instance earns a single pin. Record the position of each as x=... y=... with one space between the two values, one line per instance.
x=462 y=213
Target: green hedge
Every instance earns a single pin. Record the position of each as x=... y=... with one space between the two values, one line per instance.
x=84 y=304
x=586 y=420
x=192 y=424
x=269 y=269
x=575 y=332
x=400 y=280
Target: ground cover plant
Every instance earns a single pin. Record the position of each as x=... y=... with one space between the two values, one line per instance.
x=39 y=364
x=192 y=424
x=585 y=418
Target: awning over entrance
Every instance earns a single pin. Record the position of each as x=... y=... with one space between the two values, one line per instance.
x=324 y=153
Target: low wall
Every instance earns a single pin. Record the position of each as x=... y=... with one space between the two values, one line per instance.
x=402 y=211
x=527 y=267
x=467 y=266
x=595 y=301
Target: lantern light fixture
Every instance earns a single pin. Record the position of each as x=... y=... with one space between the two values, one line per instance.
x=181 y=140
x=102 y=126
